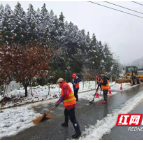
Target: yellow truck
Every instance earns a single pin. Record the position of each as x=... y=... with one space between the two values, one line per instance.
x=131 y=75
x=140 y=74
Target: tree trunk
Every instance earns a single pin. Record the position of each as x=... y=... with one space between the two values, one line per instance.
x=49 y=89
x=25 y=84
x=25 y=87
x=4 y=89
x=31 y=87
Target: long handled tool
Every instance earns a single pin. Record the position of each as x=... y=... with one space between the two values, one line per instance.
x=93 y=98
x=94 y=95
x=43 y=116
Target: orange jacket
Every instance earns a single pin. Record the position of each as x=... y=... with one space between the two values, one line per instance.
x=70 y=98
x=105 y=87
x=76 y=84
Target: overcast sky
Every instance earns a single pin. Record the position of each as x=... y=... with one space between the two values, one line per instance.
x=122 y=32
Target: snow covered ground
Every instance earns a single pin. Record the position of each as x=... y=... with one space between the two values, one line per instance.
x=40 y=93
x=16 y=119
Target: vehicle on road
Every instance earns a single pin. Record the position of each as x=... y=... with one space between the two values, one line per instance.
x=140 y=74
x=131 y=76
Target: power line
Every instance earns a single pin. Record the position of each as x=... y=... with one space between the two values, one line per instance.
x=115 y=9
x=137 y=3
x=123 y=7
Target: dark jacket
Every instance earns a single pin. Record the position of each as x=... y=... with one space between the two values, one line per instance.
x=98 y=79
x=104 y=81
x=76 y=81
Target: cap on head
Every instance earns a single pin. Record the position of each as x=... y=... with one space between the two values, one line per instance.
x=60 y=80
x=73 y=75
x=96 y=76
x=102 y=75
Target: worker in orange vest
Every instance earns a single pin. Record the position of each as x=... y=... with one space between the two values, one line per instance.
x=69 y=102
x=75 y=81
x=104 y=86
x=98 y=79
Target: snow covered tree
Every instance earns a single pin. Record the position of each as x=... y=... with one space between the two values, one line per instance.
x=44 y=17
x=7 y=24
x=1 y=22
x=115 y=70
x=31 y=29
x=108 y=59
x=93 y=61
x=1 y=16
x=19 y=29
x=78 y=52
x=101 y=62
x=61 y=29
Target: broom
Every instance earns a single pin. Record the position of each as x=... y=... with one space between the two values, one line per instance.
x=43 y=116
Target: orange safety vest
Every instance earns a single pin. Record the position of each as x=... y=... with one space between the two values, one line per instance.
x=70 y=99
x=76 y=84
x=105 y=87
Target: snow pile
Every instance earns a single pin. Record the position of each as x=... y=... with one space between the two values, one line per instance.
x=15 y=120
x=125 y=86
x=105 y=125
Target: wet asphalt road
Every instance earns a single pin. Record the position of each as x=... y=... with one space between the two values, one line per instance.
x=87 y=114
x=122 y=133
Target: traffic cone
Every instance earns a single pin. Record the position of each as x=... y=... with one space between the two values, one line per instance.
x=121 y=87
x=110 y=90
x=97 y=94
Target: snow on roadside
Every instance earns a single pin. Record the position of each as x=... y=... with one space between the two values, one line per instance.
x=115 y=87
x=105 y=125
x=42 y=93
x=125 y=86
x=14 y=120
x=1 y=98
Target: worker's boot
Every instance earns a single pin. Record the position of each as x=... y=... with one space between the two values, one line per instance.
x=65 y=124
x=77 y=130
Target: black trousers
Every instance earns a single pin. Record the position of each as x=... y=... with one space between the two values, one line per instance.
x=76 y=94
x=105 y=92
x=99 y=86
x=71 y=114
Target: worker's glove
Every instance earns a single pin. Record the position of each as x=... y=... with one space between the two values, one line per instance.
x=61 y=99
x=56 y=105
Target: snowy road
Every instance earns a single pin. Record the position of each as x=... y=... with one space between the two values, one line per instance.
x=90 y=116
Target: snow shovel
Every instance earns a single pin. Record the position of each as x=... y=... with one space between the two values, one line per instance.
x=43 y=116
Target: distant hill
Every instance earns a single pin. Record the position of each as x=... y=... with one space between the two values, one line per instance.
x=138 y=63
